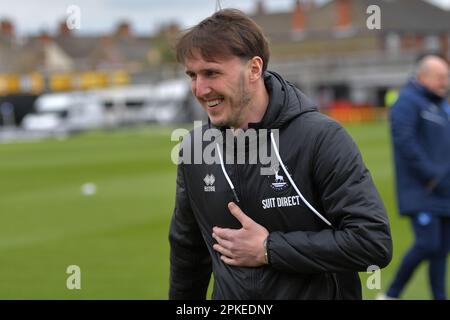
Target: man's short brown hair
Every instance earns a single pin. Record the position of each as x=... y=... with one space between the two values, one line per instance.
x=227 y=32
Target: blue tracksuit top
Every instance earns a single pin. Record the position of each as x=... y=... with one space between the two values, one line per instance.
x=420 y=127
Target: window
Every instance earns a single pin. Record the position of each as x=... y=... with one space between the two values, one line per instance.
x=432 y=43
x=392 y=43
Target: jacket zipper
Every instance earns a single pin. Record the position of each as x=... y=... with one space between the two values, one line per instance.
x=338 y=287
x=254 y=272
x=238 y=176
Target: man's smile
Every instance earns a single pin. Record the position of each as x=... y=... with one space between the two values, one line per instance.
x=214 y=102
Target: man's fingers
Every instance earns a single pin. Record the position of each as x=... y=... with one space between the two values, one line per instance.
x=222 y=241
x=223 y=233
x=239 y=214
x=223 y=251
x=229 y=261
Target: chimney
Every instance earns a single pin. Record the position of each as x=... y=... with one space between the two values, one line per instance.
x=172 y=30
x=44 y=37
x=6 y=29
x=298 y=18
x=343 y=13
x=106 y=41
x=123 y=29
x=63 y=29
x=260 y=7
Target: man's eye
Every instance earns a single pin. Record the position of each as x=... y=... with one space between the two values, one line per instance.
x=211 y=73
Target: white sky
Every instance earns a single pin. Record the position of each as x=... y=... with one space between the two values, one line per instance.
x=101 y=16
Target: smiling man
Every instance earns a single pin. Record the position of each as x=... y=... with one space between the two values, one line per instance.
x=302 y=232
x=222 y=89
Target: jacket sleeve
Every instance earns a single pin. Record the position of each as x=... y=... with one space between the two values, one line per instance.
x=405 y=118
x=190 y=262
x=361 y=234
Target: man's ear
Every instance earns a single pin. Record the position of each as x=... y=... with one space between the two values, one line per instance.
x=256 y=68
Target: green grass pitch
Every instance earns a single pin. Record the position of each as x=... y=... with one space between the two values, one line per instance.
x=118 y=237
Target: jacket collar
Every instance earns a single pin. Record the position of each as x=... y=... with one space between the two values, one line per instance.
x=426 y=92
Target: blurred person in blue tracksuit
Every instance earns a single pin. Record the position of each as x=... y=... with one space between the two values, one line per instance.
x=420 y=127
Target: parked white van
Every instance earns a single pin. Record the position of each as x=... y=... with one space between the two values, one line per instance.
x=65 y=112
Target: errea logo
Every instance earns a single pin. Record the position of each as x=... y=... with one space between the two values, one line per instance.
x=209 y=181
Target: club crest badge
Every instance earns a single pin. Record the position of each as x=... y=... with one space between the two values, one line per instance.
x=278 y=180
